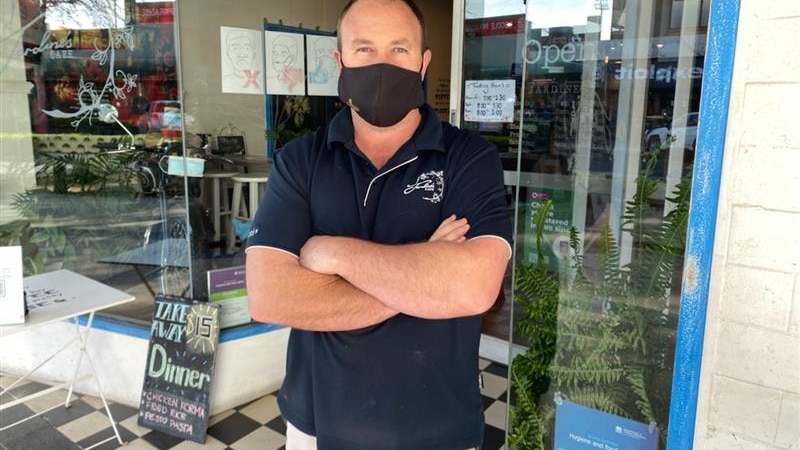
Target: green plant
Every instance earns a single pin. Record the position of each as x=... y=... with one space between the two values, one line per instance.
x=82 y=199
x=288 y=118
x=62 y=230
x=603 y=338
x=85 y=172
x=19 y=232
x=536 y=292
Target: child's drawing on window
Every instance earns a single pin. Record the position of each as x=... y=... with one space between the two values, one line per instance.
x=285 y=63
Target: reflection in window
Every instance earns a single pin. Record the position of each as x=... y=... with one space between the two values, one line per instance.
x=580 y=15
x=86 y=191
x=598 y=162
x=480 y=9
x=85 y=14
x=676 y=13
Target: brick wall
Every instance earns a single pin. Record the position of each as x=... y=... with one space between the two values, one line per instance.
x=750 y=379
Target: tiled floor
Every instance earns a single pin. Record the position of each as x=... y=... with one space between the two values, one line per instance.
x=256 y=425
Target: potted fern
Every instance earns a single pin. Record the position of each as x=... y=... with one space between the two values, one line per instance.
x=603 y=337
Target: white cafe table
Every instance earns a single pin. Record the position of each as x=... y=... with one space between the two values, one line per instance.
x=58 y=296
x=170 y=252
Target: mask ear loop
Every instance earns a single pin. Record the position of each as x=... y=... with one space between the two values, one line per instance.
x=423 y=92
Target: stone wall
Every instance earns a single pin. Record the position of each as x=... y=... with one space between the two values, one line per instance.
x=750 y=380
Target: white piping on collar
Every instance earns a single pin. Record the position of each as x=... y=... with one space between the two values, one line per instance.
x=384 y=173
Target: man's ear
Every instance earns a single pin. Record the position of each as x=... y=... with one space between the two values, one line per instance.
x=337 y=56
x=426 y=59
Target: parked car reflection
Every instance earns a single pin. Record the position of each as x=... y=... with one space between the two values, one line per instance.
x=683 y=129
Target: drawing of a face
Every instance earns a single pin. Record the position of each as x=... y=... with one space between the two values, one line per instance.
x=241 y=51
x=284 y=52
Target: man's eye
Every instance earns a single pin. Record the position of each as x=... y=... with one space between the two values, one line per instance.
x=363 y=49
x=400 y=50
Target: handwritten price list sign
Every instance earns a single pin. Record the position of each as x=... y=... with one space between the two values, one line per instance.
x=489 y=100
x=180 y=363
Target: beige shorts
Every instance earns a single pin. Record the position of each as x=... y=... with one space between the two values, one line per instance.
x=297 y=440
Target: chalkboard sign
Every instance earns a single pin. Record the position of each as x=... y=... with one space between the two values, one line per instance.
x=180 y=365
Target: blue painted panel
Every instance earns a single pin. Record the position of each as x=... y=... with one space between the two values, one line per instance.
x=714 y=101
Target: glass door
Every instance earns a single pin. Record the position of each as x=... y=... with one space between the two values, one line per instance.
x=593 y=106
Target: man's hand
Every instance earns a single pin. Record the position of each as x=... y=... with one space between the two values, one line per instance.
x=320 y=253
x=451 y=230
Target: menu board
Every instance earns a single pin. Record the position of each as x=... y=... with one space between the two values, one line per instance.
x=489 y=100
x=180 y=365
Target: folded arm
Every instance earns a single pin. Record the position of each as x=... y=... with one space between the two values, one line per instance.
x=432 y=280
x=281 y=291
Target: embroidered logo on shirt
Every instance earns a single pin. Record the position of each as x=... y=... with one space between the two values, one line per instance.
x=432 y=183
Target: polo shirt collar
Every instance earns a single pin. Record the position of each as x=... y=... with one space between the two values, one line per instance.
x=427 y=137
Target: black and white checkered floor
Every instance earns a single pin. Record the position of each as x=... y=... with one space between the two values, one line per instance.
x=256 y=425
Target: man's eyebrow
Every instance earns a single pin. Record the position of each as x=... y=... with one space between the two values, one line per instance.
x=360 y=41
x=363 y=41
x=402 y=41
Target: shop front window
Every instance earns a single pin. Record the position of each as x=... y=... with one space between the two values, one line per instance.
x=136 y=146
x=91 y=117
x=598 y=155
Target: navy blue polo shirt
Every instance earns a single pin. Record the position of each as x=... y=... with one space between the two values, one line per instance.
x=406 y=383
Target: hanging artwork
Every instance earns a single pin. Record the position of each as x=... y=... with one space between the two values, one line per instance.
x=323 y=73
x=241 y=61
x=285 y=66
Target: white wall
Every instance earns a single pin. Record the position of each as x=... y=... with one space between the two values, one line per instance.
x=750 y=378
x=245 y=369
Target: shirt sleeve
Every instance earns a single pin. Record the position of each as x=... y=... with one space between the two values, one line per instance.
x=477 y=190
x=283 y=219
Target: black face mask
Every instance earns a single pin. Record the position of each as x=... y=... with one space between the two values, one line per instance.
x=382 y=94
